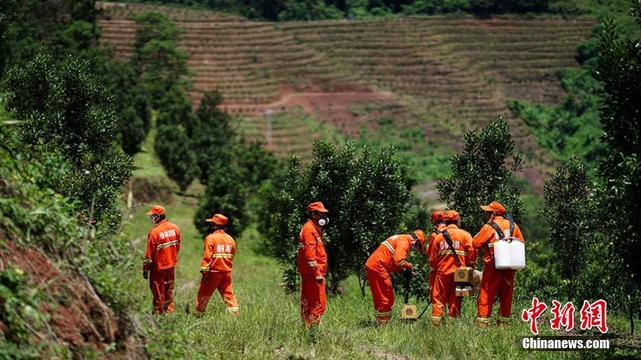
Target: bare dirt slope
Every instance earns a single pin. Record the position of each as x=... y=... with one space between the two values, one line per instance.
x=76 y=317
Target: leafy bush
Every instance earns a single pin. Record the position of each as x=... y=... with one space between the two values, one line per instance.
x=232 y=170
x=619 y=69
x=67 y=110
x=567 y=210
x=367 y=195
x=174 y=151
x=481 y=174
x=157 y=59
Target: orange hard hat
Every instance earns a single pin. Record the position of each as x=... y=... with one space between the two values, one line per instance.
x=437 y=216
x=420 y=237
x=451 y=215
x=156 y=210
x=494 y=207
x=218 y=219
x=316 y=206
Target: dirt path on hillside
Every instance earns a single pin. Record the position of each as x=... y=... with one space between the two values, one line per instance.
x=310 y=102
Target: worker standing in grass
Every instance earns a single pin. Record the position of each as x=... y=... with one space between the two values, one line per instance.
x=439 y=225
x=312 y=264
x=495 y=281
x=390 y=257
x=452 y=243
x=216 y=266
x=163 y=245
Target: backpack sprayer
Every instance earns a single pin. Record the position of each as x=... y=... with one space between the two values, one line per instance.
x=464 y=275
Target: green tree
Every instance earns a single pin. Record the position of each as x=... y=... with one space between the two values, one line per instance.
x=481 y=173
x=232 y=169
x=568 y=212
x=65 y=108
x=308 y=10
x=233 y=186
x=486 y=7
x=367 y=197
x=156 y=56
x=212 y=134
x=619 y=69
x=131 y=104
x=173 y=148
x=8 y=12
x=226 y=193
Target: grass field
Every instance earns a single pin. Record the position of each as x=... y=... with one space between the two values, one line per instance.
x=269 y=325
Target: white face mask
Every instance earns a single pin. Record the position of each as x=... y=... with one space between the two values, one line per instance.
x=323 y=221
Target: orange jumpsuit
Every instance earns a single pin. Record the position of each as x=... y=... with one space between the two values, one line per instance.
x=388 y=258
x=163 y=245
x=432 y=275
x=312 y=263
x=216 y=266
x=444 y=263
x=495 y=281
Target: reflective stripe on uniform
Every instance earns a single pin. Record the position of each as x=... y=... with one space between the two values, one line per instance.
x=389 y=246
x=483 y=320
x=232 y=309
x=171 y=243
x=400 y=263
x=204 y=268
x=312 y=263
x=448 y=251
x=504 y=319
x=147 y=261
x=490 y=244
x=222 y=256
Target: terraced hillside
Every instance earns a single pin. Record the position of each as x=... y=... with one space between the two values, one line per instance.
x=444 y=75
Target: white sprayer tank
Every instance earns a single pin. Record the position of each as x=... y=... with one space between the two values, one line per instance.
x=509 y=254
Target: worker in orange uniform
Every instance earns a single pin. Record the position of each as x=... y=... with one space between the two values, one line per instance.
x=442 y=259
x=216 y=266
x=495 y=281
x=390 y=257
x=439 y=225
x=163 y=245
x=312 y=264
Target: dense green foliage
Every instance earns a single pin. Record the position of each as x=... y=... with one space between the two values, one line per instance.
x=594 y=229
x=61 y=168
x=158 y=61
x=567 y=211
x=481 y=174
x=66 y=28
x=59 y=201
x=65 y=108
x=619 y=69
x=368 y=192
x=286 y=10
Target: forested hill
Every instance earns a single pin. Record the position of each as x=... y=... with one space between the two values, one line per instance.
x=433 y=75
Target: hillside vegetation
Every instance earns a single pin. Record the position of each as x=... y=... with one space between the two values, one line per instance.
x=386 y=116
x=437 y=76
